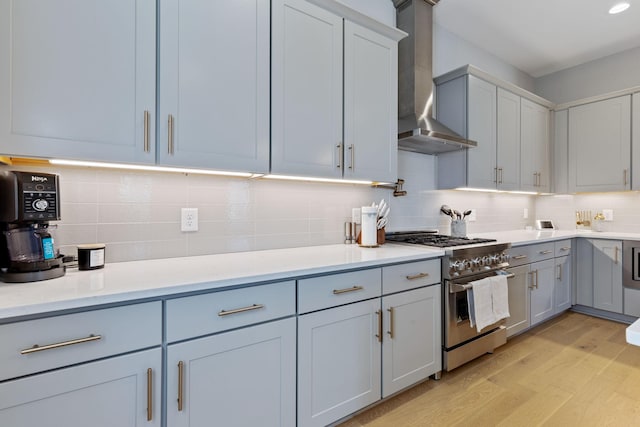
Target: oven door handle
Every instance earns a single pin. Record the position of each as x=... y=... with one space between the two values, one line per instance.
x=457 y=287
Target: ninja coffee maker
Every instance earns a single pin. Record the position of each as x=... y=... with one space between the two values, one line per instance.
x=28 y=201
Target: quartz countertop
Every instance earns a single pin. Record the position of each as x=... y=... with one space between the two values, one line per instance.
x=137 y=280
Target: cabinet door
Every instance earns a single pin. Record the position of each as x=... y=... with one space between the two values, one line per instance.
x=72 y=86
x=481 y=127
x=370 y=105
x=338 y=362
x=561 y=152
x=635 y=143
x=508 y=140
x=563 y=283
x=607 y=275
x=214 y=84
x=542 y=285
x=306 y=90
x=600 y=145
x=584 y=272
x=519 y=306
x=412 y=344
x=120 y=391
x=534 y=143
x=240 y=378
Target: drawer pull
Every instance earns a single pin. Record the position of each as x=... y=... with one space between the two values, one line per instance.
x=519 y=257
x=146 y=131
x=379 y=334
x=565 y=248
x=392 y=313
x=344 y=291
x=545 y=252
x=240 y=310
x=37 y=347
x=149 y=394
x=180 y=384
x=418 y=276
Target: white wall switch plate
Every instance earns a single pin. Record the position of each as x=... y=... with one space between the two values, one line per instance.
x=189 y=219
x=472 y=216
x=608 y=214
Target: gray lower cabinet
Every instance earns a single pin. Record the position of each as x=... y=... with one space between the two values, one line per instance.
x=599 y=274
x=231 y=357
x=100 y=368
x=354 y=354
x=541 y=286
x=241 y=378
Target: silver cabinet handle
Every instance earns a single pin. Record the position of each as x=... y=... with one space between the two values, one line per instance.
x=170 y=134
x=519 y=257
x=624 y=174
x=495 y=174
x=37 y=347
x=501 y=174
x=149 y=394
x=180 y=385
x=560 y=272
x=537 y=277
x=615 y=259
x=417 y=276
x=352 y=150
x=546 y=252
x=240 y=310
x=147 y=119
x=565 y=248
x=347 y=290
x=379 y=334
x=392 y=313
x=340 y=148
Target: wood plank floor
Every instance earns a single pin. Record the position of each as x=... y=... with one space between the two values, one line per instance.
x=574 y=370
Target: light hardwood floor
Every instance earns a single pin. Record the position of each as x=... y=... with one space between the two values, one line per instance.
x=574 y=370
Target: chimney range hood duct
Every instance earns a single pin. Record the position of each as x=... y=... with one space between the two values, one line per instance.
x=418 y=131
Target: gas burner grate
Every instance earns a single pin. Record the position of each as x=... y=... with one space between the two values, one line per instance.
x=431 y=239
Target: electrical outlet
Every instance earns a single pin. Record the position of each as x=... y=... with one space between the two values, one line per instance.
x=472 y=216
x=189 y=219
x=608 y=214
x=525 y=214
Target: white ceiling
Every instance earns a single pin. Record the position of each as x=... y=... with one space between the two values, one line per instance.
x=542 y=36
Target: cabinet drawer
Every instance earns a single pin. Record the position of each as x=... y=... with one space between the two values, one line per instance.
x=562 y=247
x=59 y=341
x=531 y=253
x=402 y=277
x=337 y=289
x=219 y=311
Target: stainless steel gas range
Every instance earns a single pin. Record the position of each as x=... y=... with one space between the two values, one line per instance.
x=465 y=261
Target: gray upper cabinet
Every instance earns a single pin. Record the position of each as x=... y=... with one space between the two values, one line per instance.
x=72 y=86
x=306 y=97
x=635 y=143
x=560 y=156
x=534 y=145
x=512 y=133
x=508 y=140
x=214 y=84
x=320 y=127
x=600 y=145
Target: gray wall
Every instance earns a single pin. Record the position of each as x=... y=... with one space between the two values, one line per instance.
x=614 y=72
x=451 y=52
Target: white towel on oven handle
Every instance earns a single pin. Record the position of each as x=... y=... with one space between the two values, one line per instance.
x=500 y=296
x=480 y=301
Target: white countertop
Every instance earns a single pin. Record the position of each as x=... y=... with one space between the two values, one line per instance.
x=129 y=281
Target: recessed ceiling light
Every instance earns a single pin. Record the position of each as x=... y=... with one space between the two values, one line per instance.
x=620 y=7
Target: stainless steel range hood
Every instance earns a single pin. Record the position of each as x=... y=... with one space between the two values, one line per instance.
x=418 y=131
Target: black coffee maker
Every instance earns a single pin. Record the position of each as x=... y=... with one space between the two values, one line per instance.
x=28 y=201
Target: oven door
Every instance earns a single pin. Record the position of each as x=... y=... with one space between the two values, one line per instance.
x=457 y=328
x=631 y=264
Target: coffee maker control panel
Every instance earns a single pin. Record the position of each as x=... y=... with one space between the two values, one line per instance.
x=29 y=197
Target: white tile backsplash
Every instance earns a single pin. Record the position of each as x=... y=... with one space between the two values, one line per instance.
x=137 y=214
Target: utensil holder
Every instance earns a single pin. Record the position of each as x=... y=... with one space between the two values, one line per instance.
x=381 y=237
x=458 y=228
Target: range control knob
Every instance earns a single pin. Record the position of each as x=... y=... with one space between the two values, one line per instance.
x=486 y=261
x=40 y=205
